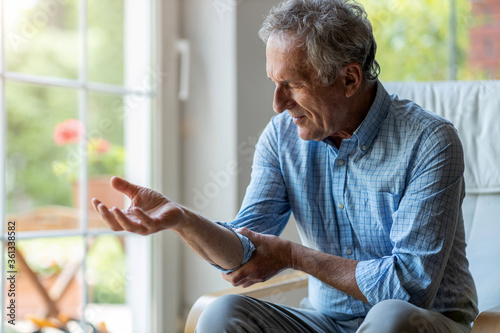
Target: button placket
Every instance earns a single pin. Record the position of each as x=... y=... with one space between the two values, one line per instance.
x=340 y=167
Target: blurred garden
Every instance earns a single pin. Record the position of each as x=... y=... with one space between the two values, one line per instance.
x=426 y=40
x=34 y=111
x=45 y=136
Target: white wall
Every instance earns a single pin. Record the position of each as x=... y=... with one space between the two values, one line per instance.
x=255 y=91
x=229 y=105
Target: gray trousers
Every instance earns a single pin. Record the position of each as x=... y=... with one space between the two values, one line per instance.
x=238 y=314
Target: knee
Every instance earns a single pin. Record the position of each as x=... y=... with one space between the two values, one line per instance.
x=390 y=316
x=222 y=315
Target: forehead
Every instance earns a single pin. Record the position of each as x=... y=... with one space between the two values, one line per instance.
x=285 y=60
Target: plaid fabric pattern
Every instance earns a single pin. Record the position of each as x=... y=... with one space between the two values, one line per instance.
x=390 y=197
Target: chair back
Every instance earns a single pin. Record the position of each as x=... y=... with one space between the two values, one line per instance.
x=474 y=109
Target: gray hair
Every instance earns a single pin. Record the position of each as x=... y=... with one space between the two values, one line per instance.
x=333 y=33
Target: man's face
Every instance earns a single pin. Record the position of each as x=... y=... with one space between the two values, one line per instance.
x=319 y=111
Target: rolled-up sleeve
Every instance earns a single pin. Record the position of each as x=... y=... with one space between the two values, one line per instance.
x=424 y=225
x=247 y=245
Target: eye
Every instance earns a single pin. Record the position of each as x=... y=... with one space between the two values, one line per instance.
x=294 y=86
x=281 y=85
x=289 y=85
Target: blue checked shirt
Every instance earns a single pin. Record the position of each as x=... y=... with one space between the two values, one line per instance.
x=390 y=197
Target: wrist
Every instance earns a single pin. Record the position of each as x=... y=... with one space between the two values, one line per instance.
x=287 y=258
x=184 y=216
x=298 y=254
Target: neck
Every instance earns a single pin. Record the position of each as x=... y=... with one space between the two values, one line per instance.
x=362 y=101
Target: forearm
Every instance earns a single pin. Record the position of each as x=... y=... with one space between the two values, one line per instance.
x=212 y=242
x=338 y=272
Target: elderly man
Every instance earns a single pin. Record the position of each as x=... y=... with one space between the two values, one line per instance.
x=374 y=182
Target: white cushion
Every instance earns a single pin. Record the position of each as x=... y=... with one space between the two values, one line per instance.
x=474 y=109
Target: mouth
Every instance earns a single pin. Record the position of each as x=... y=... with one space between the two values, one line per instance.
x=297 y=120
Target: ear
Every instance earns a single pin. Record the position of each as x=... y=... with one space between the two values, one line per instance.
x=353 y=75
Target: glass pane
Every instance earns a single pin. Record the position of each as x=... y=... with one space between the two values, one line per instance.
x=107 y=283
x=48 y=282
x=105 y=41
x=43 y=157
x=42 y=37
x=106 y=153
x=482 y=47
x=412 y=38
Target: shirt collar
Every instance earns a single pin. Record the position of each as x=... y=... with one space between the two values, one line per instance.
x=369 y=128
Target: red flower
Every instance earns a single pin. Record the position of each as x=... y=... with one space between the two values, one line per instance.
x=69 y=131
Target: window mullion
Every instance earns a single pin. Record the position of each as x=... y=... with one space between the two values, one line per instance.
x=65 y=233
x=82 y=114
x=76 y=84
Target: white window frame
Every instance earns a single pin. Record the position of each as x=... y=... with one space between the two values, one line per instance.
x=166 y=253
x=151 y=310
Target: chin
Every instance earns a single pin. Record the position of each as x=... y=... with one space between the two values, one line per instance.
x=306 y=135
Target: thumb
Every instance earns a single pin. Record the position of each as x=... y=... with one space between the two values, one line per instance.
x=124 y=186
x=245 y=232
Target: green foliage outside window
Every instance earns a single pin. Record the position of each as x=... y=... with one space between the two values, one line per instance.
x=414 y=39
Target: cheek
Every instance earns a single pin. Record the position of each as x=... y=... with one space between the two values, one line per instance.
x=306 y=105
x=316 y=109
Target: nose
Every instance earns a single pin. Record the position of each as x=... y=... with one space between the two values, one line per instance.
x=282 y=99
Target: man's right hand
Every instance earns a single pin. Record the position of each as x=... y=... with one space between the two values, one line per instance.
x=149 y=212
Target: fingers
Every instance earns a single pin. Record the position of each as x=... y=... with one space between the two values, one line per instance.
x=95 y=203
x=106 y=215
x=128 y=224
x=118 y=221
x=238 y=278
x=246 y=232
x=230 y=277
x=146 y=221
x=124 y=186
x=246 y=275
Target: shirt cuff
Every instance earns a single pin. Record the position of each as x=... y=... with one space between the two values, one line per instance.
x=248 y=248
x=377 y=279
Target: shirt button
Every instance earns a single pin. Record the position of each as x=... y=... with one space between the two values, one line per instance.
x=340 y=205
x=340 y=162
x=348 y=251
x=363 y=147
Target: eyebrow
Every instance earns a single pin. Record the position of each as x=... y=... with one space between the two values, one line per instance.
x=282 y=82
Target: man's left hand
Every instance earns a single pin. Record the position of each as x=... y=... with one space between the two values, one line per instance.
x=272 y=255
